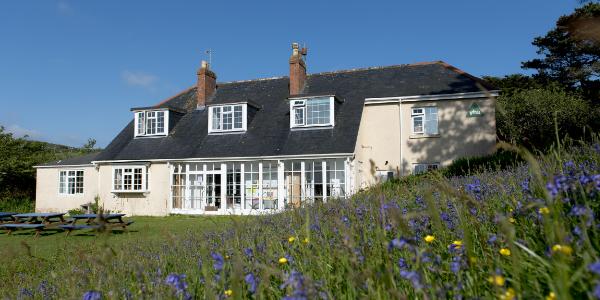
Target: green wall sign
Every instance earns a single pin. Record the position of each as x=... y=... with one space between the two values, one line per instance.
x=474 y=111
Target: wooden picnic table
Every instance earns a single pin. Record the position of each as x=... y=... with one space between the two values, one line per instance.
x=97 y=221
x=7 y=217
x=36 y=221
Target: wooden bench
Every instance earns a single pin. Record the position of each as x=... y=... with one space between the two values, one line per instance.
x=12 y=227
x=70 y=228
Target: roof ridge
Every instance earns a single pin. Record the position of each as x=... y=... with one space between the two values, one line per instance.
x=425 y=63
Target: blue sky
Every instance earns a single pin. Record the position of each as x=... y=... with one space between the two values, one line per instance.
x=71 y=70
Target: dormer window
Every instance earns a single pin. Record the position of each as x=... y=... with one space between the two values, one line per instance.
x=151 y=123
x=312 y=112
x=227 y=118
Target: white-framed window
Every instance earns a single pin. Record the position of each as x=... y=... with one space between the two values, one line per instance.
x=151 y=122
x=226 y=118
x=424 y=120
x=70 y=182
x=130 y=179
x=423 y=168
x=312 y=112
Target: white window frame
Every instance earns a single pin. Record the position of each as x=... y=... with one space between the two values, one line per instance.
x=66 y=192
x=233 y=129
x=428 y=167
x=414 y=114
x=141 y=122
x=301 y=104
x=145 y=177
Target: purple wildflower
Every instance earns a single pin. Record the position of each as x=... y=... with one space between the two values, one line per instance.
x=594 y=267
x=295 y=281
x=249 y=253
x=413 y=277
x=25 y=293
x=219 y=261
x=177 y=282
x=397 y=243
x=596 y=292
x=92 y=295
x=251 y=281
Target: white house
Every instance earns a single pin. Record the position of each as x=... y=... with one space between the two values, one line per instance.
x=264 y=145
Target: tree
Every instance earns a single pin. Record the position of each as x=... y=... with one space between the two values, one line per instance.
x=530 y=117
x=571 y=52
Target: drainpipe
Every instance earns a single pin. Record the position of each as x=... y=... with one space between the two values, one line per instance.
x=400 y=126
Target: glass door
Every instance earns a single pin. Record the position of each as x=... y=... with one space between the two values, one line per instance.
x=195 y=192
x=213 y=191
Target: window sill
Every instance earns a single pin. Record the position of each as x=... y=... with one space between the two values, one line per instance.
x=423 y=136
x=130 y=192
x=226 y=132
x=150 y=136
x=315 y=127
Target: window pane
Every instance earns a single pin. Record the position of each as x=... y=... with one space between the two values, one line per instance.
x=62 y=182
x=269 y=188
x=216 y=118
x=118 y=182
x=160 y=122
x=237 y=117
x=418 y=124
x=431 y=122
x=299 y=116
x=317 y=111
x=140 y=123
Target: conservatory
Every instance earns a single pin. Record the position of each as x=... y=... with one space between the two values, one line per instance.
x=247 y=187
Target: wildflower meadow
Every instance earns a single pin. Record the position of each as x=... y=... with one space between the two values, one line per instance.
x=526 y=232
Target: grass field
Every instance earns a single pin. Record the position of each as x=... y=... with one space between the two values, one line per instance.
x=531 y=232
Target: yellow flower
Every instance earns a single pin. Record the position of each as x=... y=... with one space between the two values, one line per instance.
x=306 y=240
x=226 y=256
x=564 y=249
x=497 y=280
x=457 y=244
x=291 y=239
x=508 y=295
x=551 y=296
x=544 y=210
x=511 y=219
x=429 y=238
x=505 y=251
x=228 y=293
x=472 y=259
x=283 y=260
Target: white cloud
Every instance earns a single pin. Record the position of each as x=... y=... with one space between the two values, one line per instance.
x=64 y=7
x=139 y=79
x=19 y=131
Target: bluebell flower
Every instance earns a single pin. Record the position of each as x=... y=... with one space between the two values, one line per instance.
x=252 y=283
x=492 y=239
x=597 y=291
x=218 y=261
x=92 y=295
x=578 y=210
x=25 y=293
x=413 y=277
x=177 y=282
x=594 y=267
x=402 y=263
x=248 y=252
x=345 y=220
x=397 y=243
x=388 y=227
x=295 y=281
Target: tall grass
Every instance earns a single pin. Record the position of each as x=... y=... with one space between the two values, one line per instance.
x=527 y=232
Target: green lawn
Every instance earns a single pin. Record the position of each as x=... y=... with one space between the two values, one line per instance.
x=144 y=230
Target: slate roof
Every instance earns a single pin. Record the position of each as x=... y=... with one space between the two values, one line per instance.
x=74 y=161
x=268 y=133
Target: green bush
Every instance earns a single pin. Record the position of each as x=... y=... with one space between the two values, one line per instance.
x=499 y=160
x=18 y=205
x=532 y=117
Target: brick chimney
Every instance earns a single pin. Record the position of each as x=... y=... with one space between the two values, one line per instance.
x=297 y=70
x=207 y=84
